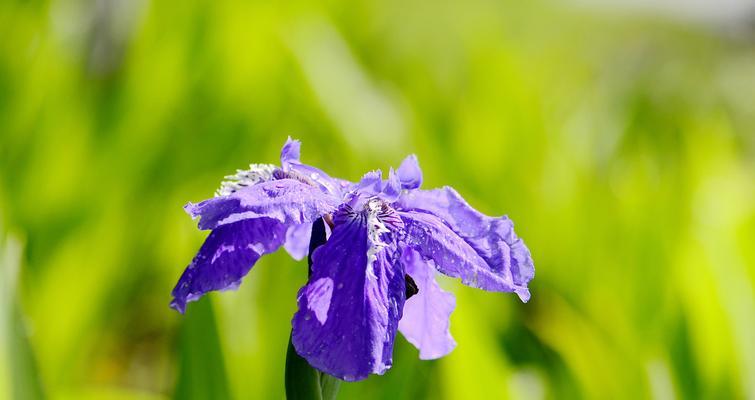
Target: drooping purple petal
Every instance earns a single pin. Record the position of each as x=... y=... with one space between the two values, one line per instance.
x=349 y=311
x=291 y=164
x=409 y=173
x=492 y=238
x=425 y=322
x=297 y=240
x=286 y=200
x=226 y=256
x=453 y=256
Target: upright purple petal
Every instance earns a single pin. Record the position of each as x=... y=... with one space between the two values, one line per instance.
x=297 y=240
x=391 y=187
x=373 y=185
x=226 y=256
x=492 y=238
x=290 y=153
x=452 y=255
x=291 y=164
x=286 y=200
x=349 y=311
x=425 y=322
x=409 y=173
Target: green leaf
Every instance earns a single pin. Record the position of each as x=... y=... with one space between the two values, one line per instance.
x=329 y=385
x=306 y=383
x=19 y=375
x=24 y=375
x=201 y=369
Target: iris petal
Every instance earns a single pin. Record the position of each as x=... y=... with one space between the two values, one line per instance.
x=290 y=163
x=409 y=173
x=373 y=185
x=425 y=322
x=452 y=255
x=349 y=311
x=226 y=256
x=391 y=187
x=297 y=240
x=493 y=239
x=290 y=152
x=286 y=200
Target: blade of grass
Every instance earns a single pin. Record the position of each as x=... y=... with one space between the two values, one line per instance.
x=201 y=367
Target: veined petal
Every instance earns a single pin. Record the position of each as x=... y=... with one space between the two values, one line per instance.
x=452 y=255
x=391 y=187
x=290 y=152
x=409 y=173
x=425 y=322
x=286 y=200
x=492 y=238
x=226 y=256
x=297 y=240
x=349 y=311
x=373 y=185
x=290 y=163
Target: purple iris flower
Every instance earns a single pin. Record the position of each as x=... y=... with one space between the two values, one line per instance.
x=384 y=234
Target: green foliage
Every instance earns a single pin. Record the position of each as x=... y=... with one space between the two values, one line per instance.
x=201 y=370
x=303 y=382
x=622 y=147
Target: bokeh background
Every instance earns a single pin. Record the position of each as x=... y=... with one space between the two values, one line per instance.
x=620 y=137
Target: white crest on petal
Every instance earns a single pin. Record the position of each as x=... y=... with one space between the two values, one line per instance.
x=255 y=174
x=375 y=229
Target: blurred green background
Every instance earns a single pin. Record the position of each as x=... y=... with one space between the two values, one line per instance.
x=622 y=144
